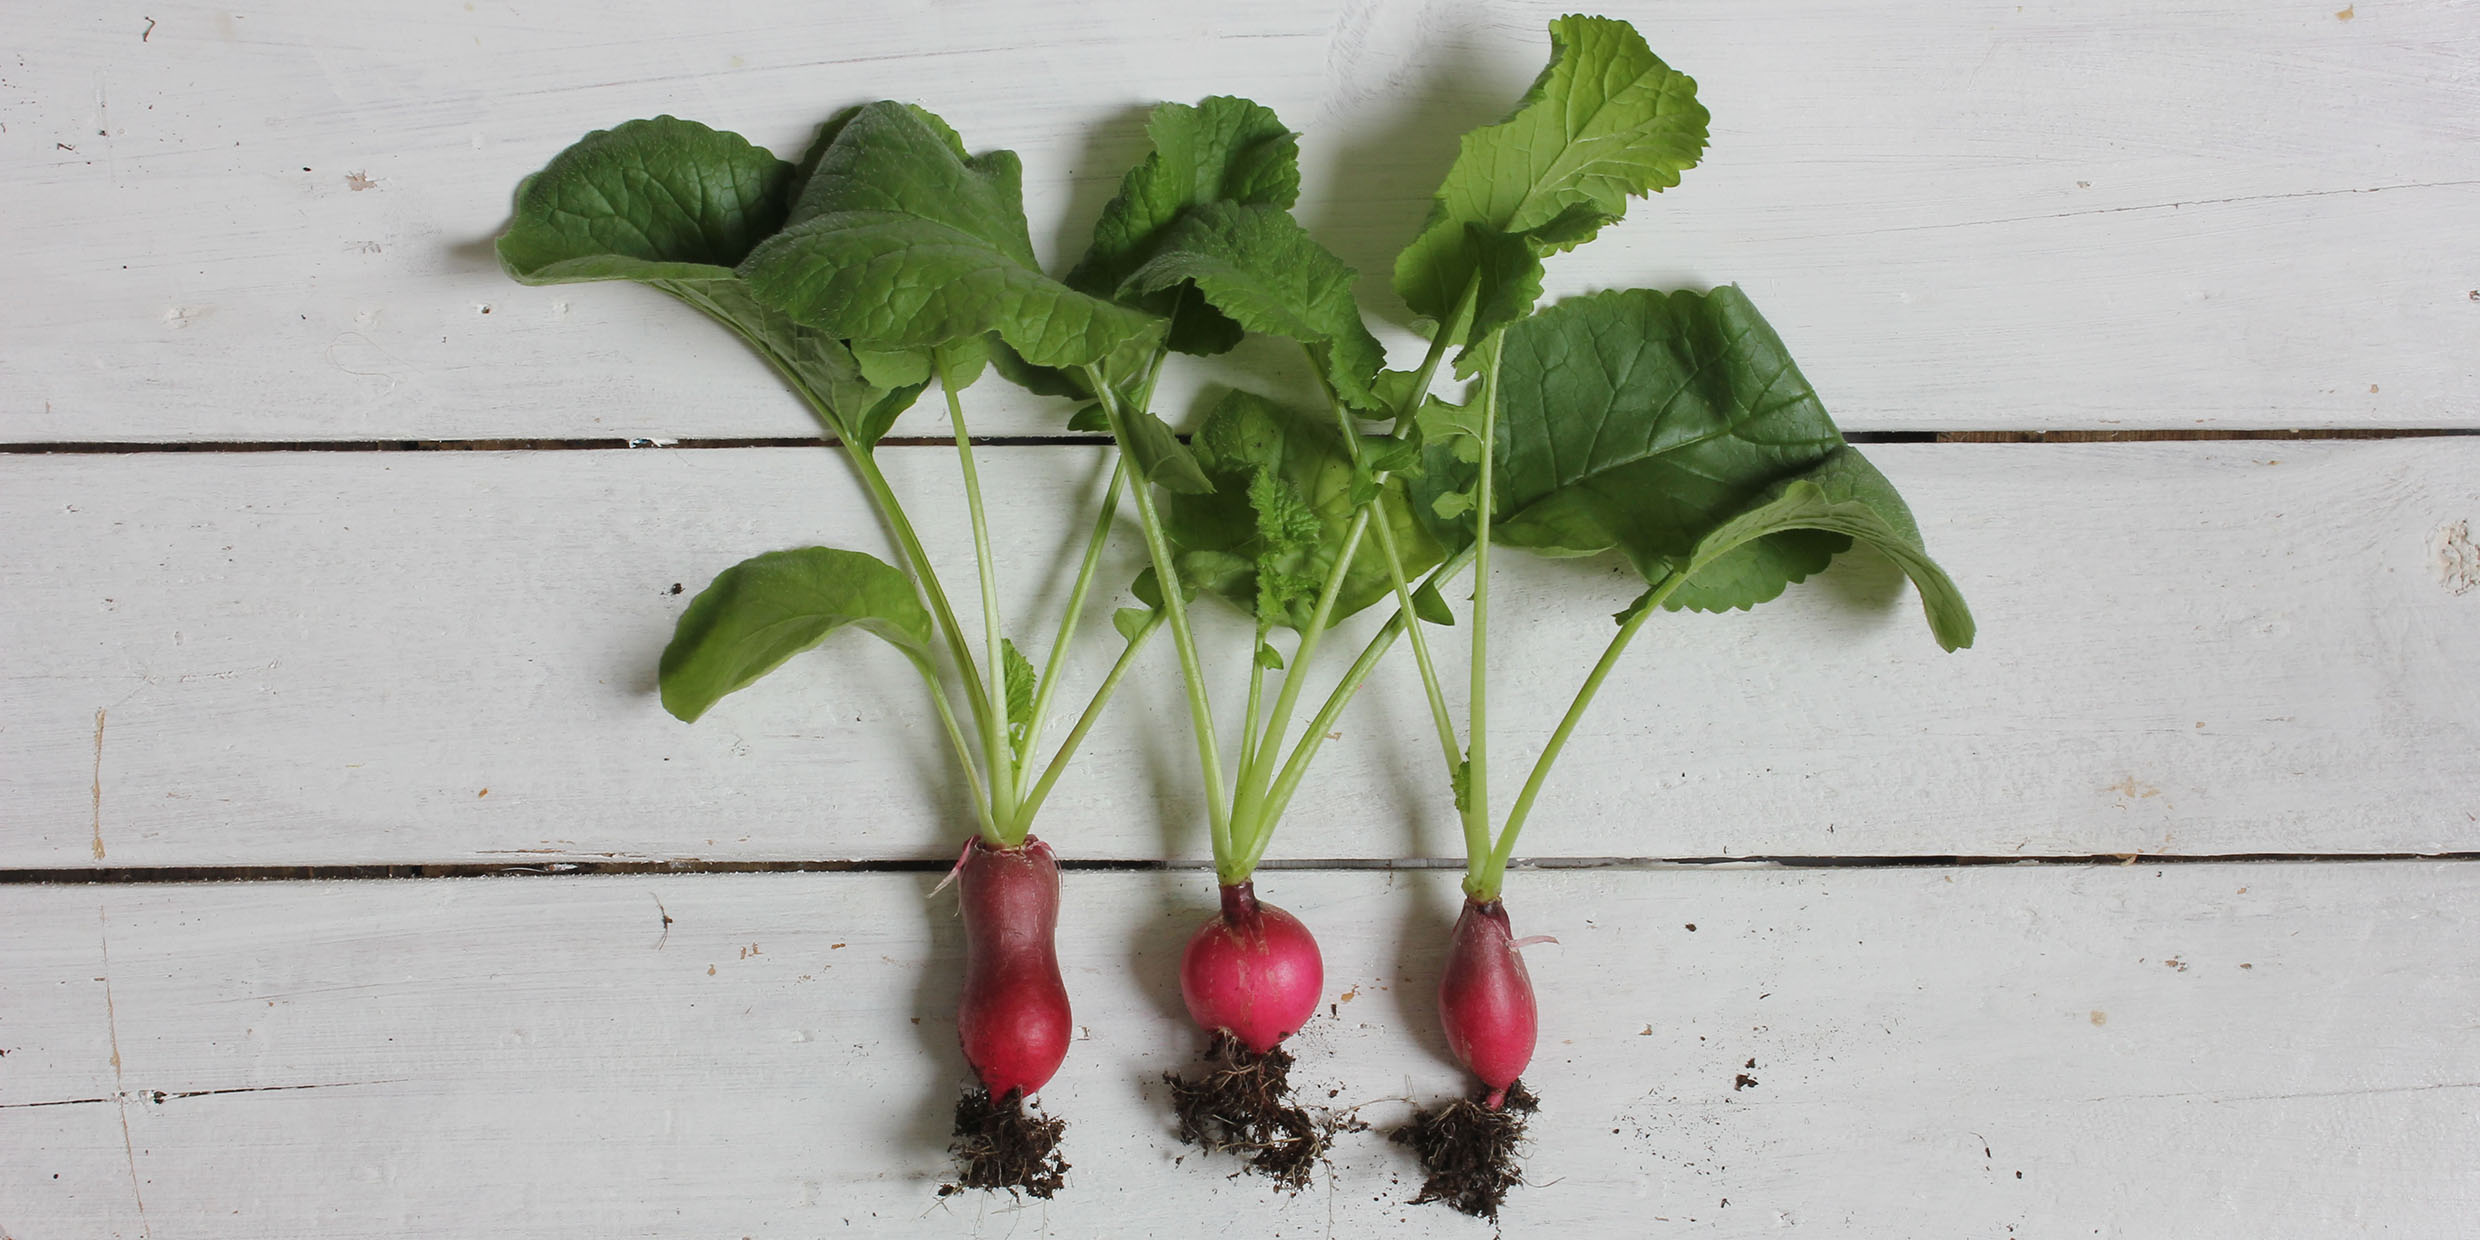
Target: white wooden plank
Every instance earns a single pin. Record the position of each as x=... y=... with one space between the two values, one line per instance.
x=2270 y=1051
x=262 y=659
x=273 y=224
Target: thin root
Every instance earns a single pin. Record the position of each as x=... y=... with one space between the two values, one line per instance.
x=1006 y=1143
x=1242 y=1106
x=1469 y=1149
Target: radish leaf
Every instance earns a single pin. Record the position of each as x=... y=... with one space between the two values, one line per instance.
x=1642 y=421
x=1258 y=266
x=1268 y=535
x=1842 y=496
x=901 y=241
x=660 y=199
x=768 y=608
x=1224 y=149
x=675 y=205
x=1155 y=449
x=1021 y=682
x=1606 y=120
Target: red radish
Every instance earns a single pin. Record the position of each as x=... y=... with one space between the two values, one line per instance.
x=1252 y=971
x=1486 y=999
x=1014 y=1014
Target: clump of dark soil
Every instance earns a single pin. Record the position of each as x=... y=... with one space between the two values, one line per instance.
x=1469 y=1150
x=1004 y=1143
x=1242 y=1105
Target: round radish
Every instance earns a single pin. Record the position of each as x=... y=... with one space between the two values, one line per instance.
x=1014 y=1014
x=1253 y=971
x=1486 y=999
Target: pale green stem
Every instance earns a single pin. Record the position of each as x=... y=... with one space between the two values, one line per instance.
x=1032 y=803
x=883 y=498
x=964 y=757
x=1002 y=760
x=1175 y=609
x=1297 y=766
x=1057 y=662
x=1257 y=697
x=1441 y=719
x=1256 y=780
x=1477 y=757
x=1485 y=885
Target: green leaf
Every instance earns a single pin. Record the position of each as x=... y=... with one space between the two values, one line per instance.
x=960 y=362
x=901 y=241
x=1268 y=657
x=1606 y=120
x=1021 y=682
x=1039 y=380
x=1430 y=607
x=675 y=205
x=660 y=199
x=894 y=367
x=1132 y=621
x=1155 y=449
x=1268 y=535
x=1223 y=150
x=1641 y=421
x=1148 y=589
x=1090 y=418
x=1258 y=266
x=1444 y=479
x=766 y=609
x=1842 y=497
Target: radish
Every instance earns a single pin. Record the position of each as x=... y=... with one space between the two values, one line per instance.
x=1251 y=971
x=1485 y=999
x=1013 y=1018
x=1671 y=428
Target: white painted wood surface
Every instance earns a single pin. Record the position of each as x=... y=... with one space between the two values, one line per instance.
x=2201 y=1050
x=272 y=222
x=354 y=657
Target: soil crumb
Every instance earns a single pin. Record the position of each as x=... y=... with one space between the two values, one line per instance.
x=1469 y=1151
x=1006 y=1143
x=1242 y=1105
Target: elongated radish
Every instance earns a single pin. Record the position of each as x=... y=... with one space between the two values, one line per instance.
x=1485 y=999
x=1252 y=971
x=1014 y=1015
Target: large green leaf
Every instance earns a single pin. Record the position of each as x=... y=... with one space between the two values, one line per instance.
x=1267 y=536
x=1223 y=150
x=768 y=608
x=660 y=199
x=1843 y=496
x=901 y=241
x=675 y=205
x=1258 y=266
x=1641 y=421
x=1606 y=120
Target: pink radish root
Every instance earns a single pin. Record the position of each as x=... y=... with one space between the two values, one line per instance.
x=1253 y=971
x=1485 y=999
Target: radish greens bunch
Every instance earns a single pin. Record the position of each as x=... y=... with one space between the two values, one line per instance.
x=1671 y=428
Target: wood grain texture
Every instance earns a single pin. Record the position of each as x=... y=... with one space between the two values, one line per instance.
x=357 y=658
x=2199 y=1050
x=274 y=224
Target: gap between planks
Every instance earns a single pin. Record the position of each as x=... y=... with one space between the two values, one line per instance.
x=130 y=875
x=624 y=443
